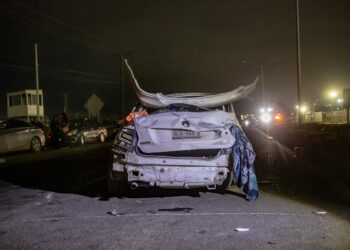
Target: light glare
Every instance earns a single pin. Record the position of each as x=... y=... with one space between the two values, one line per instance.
x=266 y=118
x=303 y=109
x=333 y=94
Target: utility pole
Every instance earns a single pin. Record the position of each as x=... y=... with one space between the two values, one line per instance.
x=262 y=84
x=65 y=101
x=36 y=79
x=262 y=67
x=122 y=56
x=298 y=62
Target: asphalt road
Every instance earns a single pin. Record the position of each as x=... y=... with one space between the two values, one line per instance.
x=57 y=200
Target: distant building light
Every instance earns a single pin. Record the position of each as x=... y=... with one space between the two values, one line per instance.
x=303 y=109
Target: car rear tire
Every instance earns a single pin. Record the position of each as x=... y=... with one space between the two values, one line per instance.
x=115 y=187
x=102 y=138
x=35 y=145
x=226 y=183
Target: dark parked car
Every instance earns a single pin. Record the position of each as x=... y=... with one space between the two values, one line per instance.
x=83 y=130
x=16 y=135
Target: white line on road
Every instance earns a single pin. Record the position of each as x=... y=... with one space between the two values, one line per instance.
x=153 y=214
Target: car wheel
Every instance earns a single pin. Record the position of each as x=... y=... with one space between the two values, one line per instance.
x=226 y=183
x=81 y=140
x=102 y=138
x=35 y=145
x=115 y=187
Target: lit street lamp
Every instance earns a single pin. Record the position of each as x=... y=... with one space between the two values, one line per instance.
x=333 y=94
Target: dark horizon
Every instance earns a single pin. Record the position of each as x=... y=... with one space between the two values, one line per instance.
x=176 y=47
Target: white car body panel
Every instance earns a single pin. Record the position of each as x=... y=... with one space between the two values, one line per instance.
x=155 y=131
x=174 y=172
x=154 y=136
x=177 y=177
x=158 y=100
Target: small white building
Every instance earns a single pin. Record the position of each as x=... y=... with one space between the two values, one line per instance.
x=23 y=104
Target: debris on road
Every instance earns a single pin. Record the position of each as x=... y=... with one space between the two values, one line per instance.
x=272 y=243
x=320 y=212
x=176 y=209
x=241 y=229
x=113 y=212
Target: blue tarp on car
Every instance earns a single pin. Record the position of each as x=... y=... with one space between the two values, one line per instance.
x=243 y=164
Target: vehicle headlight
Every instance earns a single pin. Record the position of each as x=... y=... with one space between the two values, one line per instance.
x=266 y=117
x=72 y=132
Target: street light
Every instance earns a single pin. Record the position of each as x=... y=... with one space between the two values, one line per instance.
x=333 y=94
x=303 y=109
x=262 y=66
x=298 y=57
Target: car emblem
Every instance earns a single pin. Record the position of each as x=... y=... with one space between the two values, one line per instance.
x=185 y=123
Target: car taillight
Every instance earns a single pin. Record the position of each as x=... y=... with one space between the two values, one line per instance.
x=279 y=118
x=124 y=139
x=131 y=117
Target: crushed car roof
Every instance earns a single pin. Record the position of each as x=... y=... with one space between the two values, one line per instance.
x=159 y=100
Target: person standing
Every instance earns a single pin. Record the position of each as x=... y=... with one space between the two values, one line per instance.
x=64 y=126
x=55 y=132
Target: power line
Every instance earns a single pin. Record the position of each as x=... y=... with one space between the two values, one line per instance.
x=54 y=31
x=69 y=25
x=52 y=67
x=86 y=78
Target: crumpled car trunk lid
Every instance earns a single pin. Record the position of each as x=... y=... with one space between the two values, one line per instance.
x=181 y=131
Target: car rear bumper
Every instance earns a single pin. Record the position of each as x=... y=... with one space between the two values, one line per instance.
x=171 y=172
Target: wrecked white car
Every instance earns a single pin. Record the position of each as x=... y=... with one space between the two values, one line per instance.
x=176 y=141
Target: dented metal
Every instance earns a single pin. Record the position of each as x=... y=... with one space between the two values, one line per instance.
x=178 y=131
x=133 y=156
x=158 y=100
x=176 y=146
x=176 y=176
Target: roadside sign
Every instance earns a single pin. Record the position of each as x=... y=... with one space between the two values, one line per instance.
x=94 y=106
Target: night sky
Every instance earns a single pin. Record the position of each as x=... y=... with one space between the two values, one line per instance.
x=176 y=46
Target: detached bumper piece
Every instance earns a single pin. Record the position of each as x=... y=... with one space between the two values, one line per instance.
x=243 y=164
